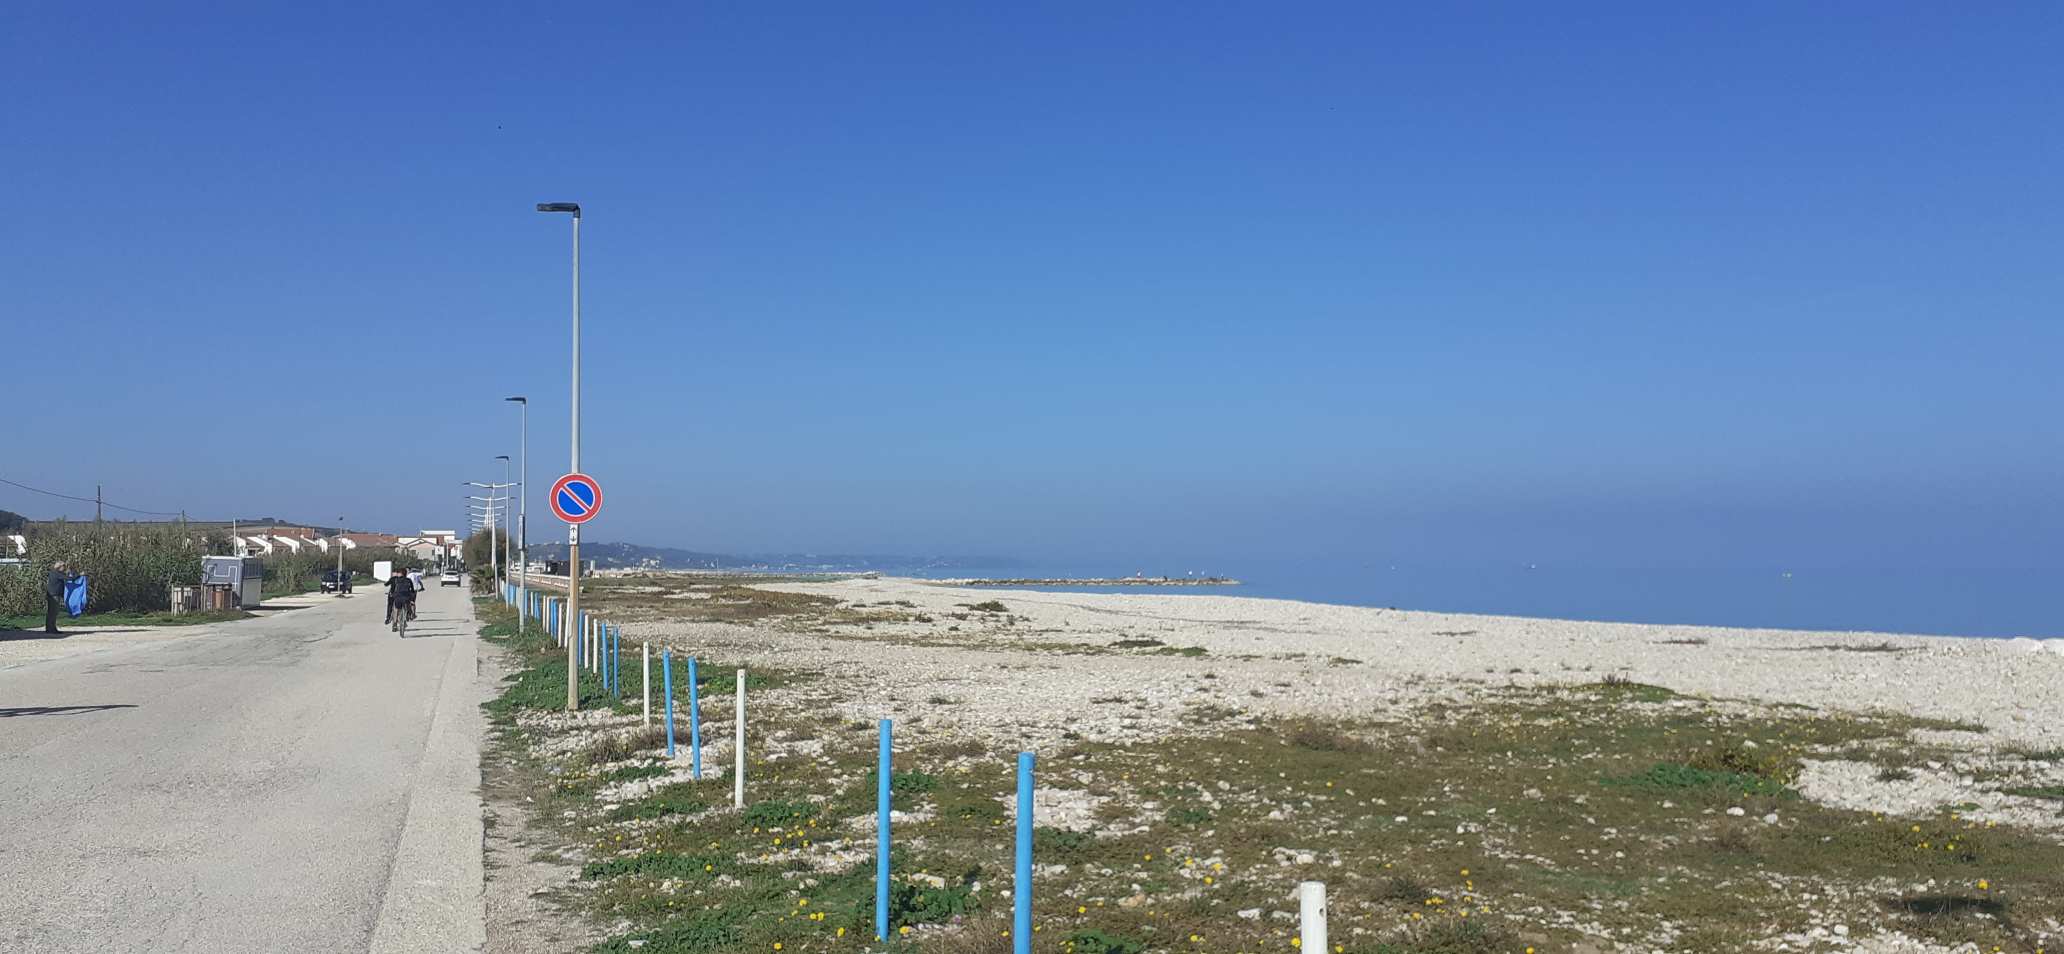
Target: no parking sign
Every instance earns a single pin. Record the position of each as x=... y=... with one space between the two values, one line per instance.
x=576 y=498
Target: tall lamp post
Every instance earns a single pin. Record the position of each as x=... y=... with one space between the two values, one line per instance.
x=573 y=566
x=340 y=556
x=504 y=458
x=523 y=506
x=493 y=504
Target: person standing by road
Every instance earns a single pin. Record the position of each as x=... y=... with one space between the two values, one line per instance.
x=53 y=595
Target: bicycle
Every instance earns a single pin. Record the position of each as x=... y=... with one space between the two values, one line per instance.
x=402 y=614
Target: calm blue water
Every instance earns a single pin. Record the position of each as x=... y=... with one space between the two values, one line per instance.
x=1949 y=602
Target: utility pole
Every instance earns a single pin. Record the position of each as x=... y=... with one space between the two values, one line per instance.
x=96 y=503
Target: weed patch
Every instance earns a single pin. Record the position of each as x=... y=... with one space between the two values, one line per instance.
x=676 y=799
x=656 y=865
x=1672 y=776
x=1097 y=942
x=773 y=814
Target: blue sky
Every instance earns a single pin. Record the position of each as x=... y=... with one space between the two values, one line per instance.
x=1601 y=285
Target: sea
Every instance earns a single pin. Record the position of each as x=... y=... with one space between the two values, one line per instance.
x=1988 y=603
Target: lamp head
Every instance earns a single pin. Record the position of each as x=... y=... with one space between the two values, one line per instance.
x=573 y=207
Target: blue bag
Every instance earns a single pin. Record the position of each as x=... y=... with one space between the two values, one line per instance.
x=75 y=595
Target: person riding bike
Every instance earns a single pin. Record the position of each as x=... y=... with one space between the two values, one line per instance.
x=401 y=594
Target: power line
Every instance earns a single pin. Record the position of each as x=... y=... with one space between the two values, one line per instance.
x=91 y=500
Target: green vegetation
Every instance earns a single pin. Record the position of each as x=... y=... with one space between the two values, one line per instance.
x=773 y=814
x=1476 y=827
x=681 y=798
x=1664 y=776
x=632 y=773
x=1097 y=942
x=131 y=567
x=1616 y=686
x=656 y=865
x=2055 y=792
x=98 y=620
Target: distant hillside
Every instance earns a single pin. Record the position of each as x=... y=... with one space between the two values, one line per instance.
x=634 y=555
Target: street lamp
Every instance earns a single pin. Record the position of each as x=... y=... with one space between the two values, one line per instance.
x=504 y=458
x=523 y=507
x=493 y=552
x=573 y=532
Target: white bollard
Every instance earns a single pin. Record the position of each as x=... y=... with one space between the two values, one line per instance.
x=738 y=776
x=1311 y=909
x=648 y=682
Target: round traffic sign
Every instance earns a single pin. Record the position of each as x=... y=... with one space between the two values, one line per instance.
x=576 y=498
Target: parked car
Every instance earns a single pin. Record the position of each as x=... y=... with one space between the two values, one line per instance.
x=335 y=581
x=449 y=578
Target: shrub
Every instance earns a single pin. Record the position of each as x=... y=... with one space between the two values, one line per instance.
x=1772 y=764
x=923 y=904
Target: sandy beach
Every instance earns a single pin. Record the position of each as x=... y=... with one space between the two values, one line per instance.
x=1466 y=783
x=1286 y=657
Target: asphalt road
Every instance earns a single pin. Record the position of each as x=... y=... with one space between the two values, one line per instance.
x=303 y=782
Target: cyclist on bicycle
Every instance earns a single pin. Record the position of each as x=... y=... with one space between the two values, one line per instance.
x=401 y=594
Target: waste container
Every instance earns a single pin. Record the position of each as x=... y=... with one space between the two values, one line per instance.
x=243 y=576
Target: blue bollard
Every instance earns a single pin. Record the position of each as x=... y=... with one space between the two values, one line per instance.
x=694 y=722
x=881 y=834
x=666 y=675
x=1021 y=890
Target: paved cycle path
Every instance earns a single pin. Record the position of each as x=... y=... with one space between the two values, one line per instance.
x=303 y=782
